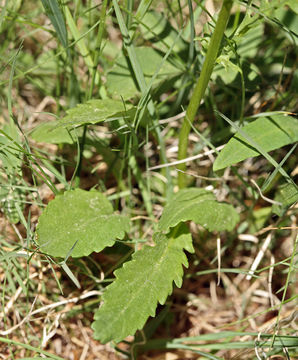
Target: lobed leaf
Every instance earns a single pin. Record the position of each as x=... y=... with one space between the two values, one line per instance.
x=95 y=111
x=270 y=133
x=140 y=284
x=200 y=206
x=79 y=222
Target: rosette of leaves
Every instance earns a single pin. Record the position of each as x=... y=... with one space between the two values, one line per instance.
x=80 y=222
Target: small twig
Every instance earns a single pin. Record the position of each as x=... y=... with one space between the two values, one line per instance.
x=9 y=331
x=15 y=296
x=47 y=307
x=218 y=260
x=173 y=118
x=259 y=257
x=269 y=228
x=248 y=237
x=264 y=197
x=201 y=177
x=191 y=158
x=270 y=275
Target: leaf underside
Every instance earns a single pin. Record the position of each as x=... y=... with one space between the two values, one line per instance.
x=141 y=284
x=270 y=133
x=200 y=206
x=79 y=222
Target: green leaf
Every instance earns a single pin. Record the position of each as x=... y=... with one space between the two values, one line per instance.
x=293 y=5
x=12 y=196
x=10 y=154
x=287 y=195
x=140 y=284
x=121 y=83
x=54 y=13
x=158 y=30
x=201 y=207
x=49 y=133
x=79 y=222
x=269 y=133
x=95 y=111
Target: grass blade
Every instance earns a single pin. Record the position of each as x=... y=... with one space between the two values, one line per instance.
x=55 y=14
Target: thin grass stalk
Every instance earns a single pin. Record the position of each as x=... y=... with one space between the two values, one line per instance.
x=29 y=347
x=201 y=85
x=94 y=77
x=98 y=45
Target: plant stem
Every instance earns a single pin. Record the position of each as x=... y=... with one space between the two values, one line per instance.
x=201 y=85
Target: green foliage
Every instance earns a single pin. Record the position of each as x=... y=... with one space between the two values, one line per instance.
x=287 y=195
x=140 y=284
x=12 y=196
x=157 y=29
x=121 y=84
x=269 y=133
x=51 y=133
x=96 y=111
x=116 y=122
x=55 y=14
x=78 y=223
x=199 y=206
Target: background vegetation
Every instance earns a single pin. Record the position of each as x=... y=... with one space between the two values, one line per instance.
x=142 y=60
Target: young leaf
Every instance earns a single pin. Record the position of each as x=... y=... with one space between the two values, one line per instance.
x=270 y=133
x=79 y=222
x=95 y=111
x=140 y=284
x=201 y=207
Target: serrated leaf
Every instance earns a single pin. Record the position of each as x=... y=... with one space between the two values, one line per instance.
x=140 y=285
x=119 y=79
x=96 y=111
x=201 y=207
x=79 y=222
x=49 y=133
x=269 y=133
x=287 y=195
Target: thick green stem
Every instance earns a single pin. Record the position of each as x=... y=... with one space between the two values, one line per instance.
x=201 y=86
